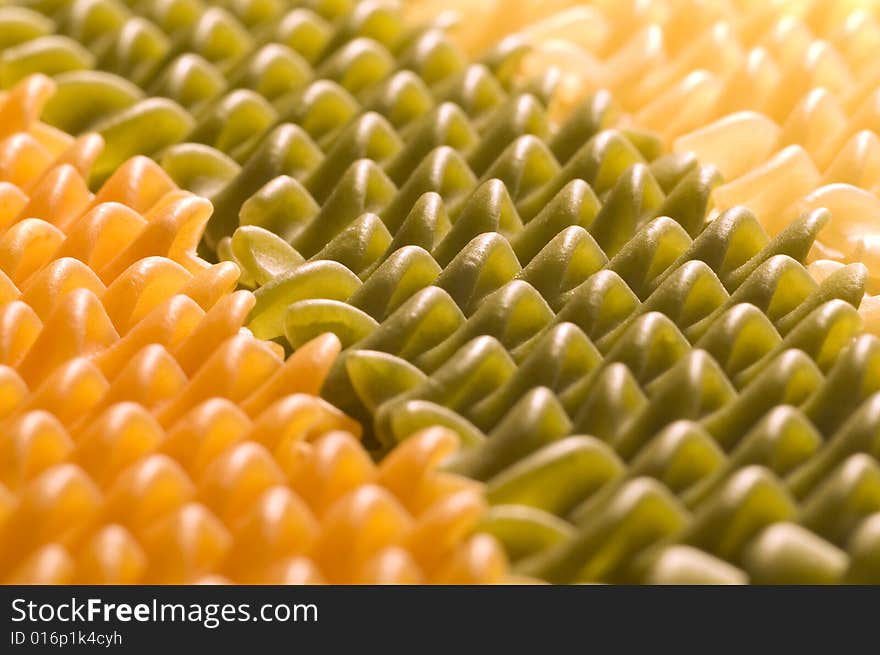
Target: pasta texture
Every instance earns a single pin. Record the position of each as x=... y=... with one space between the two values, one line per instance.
x=147 y=437
x=648 y=397
x=651 y=350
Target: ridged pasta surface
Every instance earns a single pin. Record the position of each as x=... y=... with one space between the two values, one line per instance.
x=147 y=437
x=611 y=363
x=256 y=90
x=647 y=396
x=782 y=96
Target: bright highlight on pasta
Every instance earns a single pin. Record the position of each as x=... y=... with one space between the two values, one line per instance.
x=780 y=96
x=147 y=437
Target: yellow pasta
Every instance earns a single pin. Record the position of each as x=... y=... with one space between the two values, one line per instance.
x=147 y=437
x=783 y=97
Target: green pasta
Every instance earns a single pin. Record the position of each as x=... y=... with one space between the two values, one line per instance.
x=614 y=368
x=230 y=75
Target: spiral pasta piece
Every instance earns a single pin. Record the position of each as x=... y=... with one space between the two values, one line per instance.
x=148 y=437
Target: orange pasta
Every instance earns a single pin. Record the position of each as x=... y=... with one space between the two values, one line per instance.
x=147 y=437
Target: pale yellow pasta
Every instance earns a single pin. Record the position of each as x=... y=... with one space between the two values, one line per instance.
x=783 y=97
